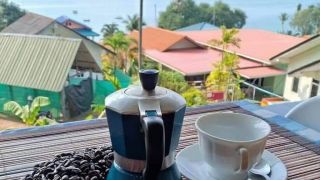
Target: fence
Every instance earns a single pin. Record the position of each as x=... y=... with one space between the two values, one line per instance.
x=20 y=95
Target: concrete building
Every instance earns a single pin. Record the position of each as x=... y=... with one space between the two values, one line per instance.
x=303 y=69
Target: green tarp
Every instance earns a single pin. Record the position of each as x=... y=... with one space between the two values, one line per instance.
x=101 y=89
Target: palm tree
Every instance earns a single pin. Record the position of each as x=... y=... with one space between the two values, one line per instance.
x=109 y=29
x=132 y=22
x=223 y=77
x=283 y=18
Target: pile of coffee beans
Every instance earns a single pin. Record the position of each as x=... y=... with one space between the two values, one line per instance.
x=90 y=164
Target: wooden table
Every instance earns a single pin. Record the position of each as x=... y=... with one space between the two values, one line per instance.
x=20 y=150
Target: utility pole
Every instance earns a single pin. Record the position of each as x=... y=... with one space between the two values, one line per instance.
x=155 y=15
x=140 y=35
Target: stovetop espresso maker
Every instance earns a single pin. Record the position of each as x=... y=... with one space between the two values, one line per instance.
x=145 y=124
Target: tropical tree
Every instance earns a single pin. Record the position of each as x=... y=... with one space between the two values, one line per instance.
x=119 y=44
x=225 y=16
x=307 y=21
x=109 y=29
x=180 y=14
x=29 y=113
x=9 y=12
x=186 y=12
x=223 y=77
x=283 y=18
x=131 y=22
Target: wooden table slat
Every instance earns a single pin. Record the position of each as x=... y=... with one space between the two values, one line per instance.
x=21 y=150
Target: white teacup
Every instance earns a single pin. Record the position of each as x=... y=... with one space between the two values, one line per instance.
x=231 y=143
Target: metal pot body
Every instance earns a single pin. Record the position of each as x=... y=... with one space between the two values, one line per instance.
x=145 y=124
x=127 y=135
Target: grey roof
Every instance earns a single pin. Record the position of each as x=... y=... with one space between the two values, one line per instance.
x=30 y=23
x=198 y=27
x=34 y=61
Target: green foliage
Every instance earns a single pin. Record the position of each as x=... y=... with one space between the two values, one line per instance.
x=180 y=14
x=125 y=52
x=29 y=113
x=109 y=71
x=109 y=29
x=186 y=12
x=132 y=22
x=173 y=80
x=97 y=112
x=225 y=16
x=223 y=77
x=9 y=12
x=118 y=41
x=149 y=64
x=194 y=97
x=307 y=21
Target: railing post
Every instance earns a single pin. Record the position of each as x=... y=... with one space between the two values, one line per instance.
x=254 y=93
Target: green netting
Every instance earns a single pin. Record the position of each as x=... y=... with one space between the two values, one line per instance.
x=102 y=88
x=20 y=95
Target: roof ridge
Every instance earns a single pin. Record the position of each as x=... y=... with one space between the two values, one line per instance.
x=38 y=36
x=168 y=31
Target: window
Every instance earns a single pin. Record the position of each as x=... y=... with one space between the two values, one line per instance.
x=295 y=84
x=314 y=88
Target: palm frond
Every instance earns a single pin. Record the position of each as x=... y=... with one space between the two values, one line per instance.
x=13 y=107
x=40 y=101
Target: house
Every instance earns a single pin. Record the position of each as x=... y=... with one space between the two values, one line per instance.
x=303 y=69
x=35 y=24
x=191 y=54
x=198 y=27
x=37 y=32
x=38 y=65
x=77 y=26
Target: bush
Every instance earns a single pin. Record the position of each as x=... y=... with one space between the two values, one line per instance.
x=173 y=80
x=194 y=97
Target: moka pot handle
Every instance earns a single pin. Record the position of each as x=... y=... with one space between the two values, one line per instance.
x=154 y=142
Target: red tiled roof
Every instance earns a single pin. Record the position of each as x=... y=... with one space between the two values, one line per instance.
x=192 y=61
x=256 y=44
x=260 y=72
x=159 y=39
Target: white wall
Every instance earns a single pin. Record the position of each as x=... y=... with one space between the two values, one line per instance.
x=304 y=89
x=305 y=83
x=59 y=30
x=304 y=58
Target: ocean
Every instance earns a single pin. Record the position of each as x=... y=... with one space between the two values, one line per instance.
x=262 y=14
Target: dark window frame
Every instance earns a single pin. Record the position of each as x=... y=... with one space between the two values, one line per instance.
x=295 y=84
x=314 y=88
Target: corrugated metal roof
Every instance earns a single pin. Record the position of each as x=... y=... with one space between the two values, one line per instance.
x=30 y=23
x=198 y=27
x=39 y=62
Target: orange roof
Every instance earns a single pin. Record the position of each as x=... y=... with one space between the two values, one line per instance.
x=255 y=44
x=159 y=39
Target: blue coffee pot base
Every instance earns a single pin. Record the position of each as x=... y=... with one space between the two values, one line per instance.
x=116 y=173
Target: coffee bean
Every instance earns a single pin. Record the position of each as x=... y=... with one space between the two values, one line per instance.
x=90 y=164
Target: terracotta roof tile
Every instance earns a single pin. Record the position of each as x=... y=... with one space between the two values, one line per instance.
x=193 y=61
x=260 y=72
x=256 y=44
x=159 y=39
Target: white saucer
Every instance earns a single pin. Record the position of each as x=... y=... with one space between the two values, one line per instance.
x=192 y=166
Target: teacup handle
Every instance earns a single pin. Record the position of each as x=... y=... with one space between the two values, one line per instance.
x=244 y=160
